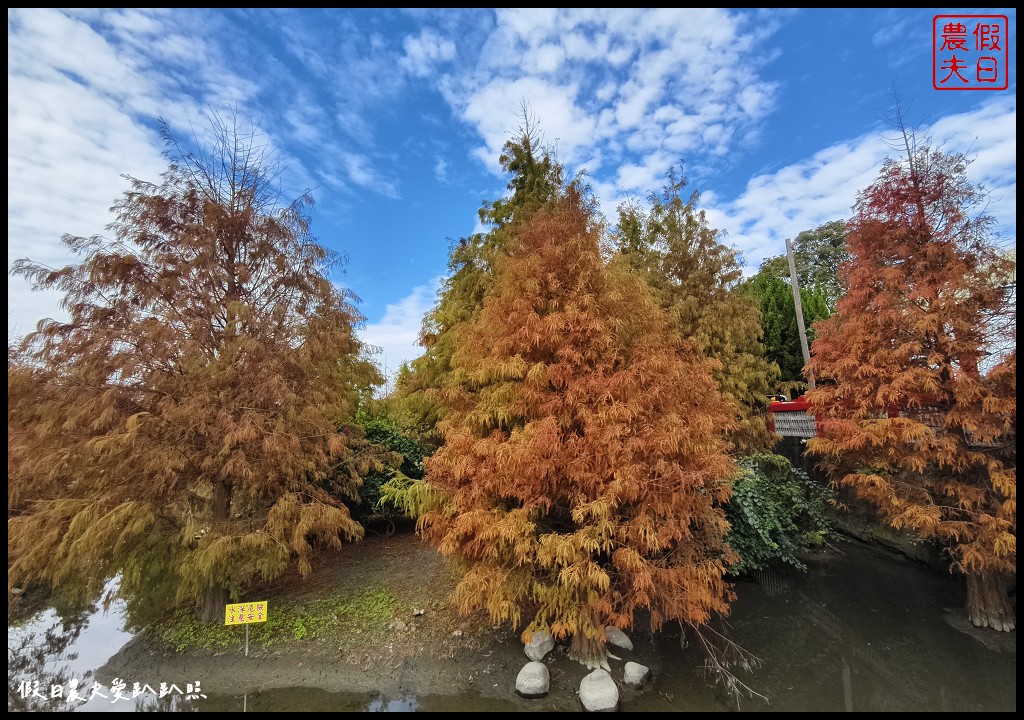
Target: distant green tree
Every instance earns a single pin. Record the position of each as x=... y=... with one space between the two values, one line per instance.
x=817 y=255
x=778 y=320
x=410 y=407
x=405 y=455
x=537 y=177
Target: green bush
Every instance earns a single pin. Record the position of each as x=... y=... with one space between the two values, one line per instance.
x=387 y=434
x=776 y=512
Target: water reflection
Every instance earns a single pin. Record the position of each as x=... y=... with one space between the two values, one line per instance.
x=869 y=631
x=402 y=704
x=51 y=660
x=37 y=661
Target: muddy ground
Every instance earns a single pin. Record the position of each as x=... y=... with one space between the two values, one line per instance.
x=436 y=653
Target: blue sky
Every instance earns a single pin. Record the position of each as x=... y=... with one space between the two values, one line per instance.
x=395 y=118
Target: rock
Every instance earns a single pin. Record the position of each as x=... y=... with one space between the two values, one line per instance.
x=399 y=625
x=617 y=638
x=533 y=680
x=634 y=675
x=457 y=634
x=540 y=645
x=417 y=613
x=598 y=692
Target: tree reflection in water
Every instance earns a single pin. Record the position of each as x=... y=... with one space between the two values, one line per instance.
x=37 y=661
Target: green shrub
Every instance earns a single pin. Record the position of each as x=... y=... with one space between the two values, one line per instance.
x=389 y=435
x=776 y=512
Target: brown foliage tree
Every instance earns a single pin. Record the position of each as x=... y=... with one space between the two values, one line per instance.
x=907 y=417
x=181 y=430
x=584 y=460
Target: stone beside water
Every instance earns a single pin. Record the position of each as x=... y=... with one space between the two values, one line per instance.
x=540 y=645
x=533 y=680
x=598 y=692
x=634 y=675
x=617 y=638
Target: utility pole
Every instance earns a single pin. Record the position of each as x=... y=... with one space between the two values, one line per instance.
x=799 y=313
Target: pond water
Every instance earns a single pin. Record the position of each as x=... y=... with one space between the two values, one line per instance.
x=862 y=630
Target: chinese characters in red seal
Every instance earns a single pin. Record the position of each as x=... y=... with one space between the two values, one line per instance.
x=970 y=52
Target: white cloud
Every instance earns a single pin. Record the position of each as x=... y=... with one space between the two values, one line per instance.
x=424 y=52
x=135 y=22
x=528 y=22
x=824 y=187
x=396 y=334
x=306 y=121
x=625 y=86
x=989 y=136
x=73 y=128
x=563 y=123
x=362 y=173
x=441 y=170
x=83 y=98
x=579 y=46
x=85 y=88
x=645 y=176
x=548 y=58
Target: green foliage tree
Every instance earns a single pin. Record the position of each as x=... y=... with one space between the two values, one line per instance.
x=584 y=461
x=817 y=255
x=181 y=430
x=917 y=406
x=537 y=177
x=776 y=513
x=778 y=320
x=699 y=280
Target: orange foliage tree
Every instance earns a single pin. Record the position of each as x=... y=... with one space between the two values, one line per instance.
x=927 y=329
x=584 y=460
x=181 y=429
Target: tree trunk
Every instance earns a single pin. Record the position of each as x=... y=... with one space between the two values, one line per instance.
x=220 y=504
x=589 y=651
x=988 y=602
x=212 y=609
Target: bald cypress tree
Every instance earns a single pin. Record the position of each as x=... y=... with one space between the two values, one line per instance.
x=917 y=372
x=584 y=463
x=536 y=180
x=182 y=429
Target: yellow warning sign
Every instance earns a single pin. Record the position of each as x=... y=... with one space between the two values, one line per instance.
x=244 y=613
